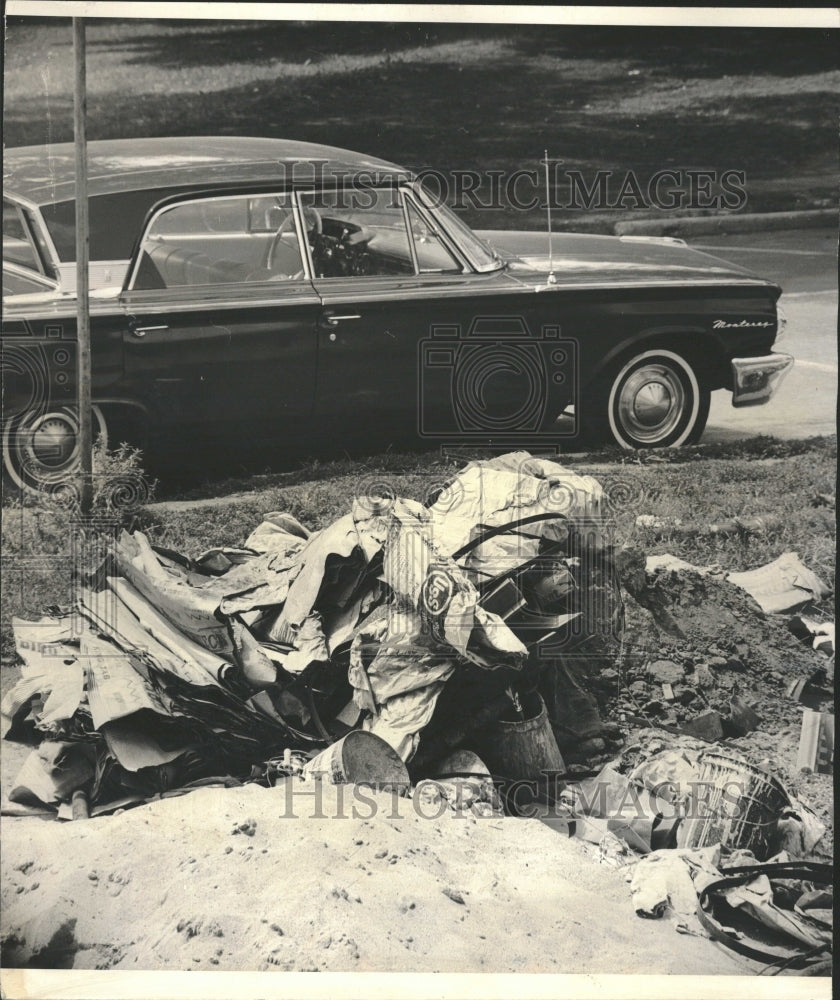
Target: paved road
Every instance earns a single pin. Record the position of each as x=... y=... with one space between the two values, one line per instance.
x=804 y=262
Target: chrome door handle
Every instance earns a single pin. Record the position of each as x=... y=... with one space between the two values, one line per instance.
x=331 y=319
x=141 y=331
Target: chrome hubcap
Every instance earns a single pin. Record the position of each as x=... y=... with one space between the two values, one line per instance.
x=42 y=451
x=651 y=403
x=53 y=442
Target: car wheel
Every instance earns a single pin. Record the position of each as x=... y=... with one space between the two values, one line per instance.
x=41 y=450
x=652 y=400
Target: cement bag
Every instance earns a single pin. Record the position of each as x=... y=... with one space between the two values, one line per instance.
x=403 y=654
x=191 y=609
x=505 y=489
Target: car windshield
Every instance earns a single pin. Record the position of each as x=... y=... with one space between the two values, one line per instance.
x=481 y=255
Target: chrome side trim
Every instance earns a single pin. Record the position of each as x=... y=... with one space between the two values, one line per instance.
x=471 y=284
x=30 y=275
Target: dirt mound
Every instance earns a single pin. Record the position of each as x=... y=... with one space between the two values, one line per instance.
x=258 y=879
x=693 y=642
x=709 y=641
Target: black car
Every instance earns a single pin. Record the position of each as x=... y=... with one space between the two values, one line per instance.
x=246 y=283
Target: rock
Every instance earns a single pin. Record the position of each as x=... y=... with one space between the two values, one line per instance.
x=666 y=671
x=702 y=676
x=638 y=687
x=591 y=746
x=707 y=726
x=609 y=675
x=742 y=719
x=718 y=663
x=454 y=895
x=735 y=663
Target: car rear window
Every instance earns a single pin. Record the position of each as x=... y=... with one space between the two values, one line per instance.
x=18 y=247
x=116 y=221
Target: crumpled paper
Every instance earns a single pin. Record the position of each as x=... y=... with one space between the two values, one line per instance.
x=672 y=879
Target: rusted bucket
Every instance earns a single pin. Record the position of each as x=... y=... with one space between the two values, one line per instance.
x=523 y=749
x=360 y=758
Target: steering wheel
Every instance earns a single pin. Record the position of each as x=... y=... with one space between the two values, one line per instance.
x=310 y=215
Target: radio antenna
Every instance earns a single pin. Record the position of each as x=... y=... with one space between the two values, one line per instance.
x=551 y=279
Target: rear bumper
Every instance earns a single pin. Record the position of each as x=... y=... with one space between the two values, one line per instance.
x=754 y=380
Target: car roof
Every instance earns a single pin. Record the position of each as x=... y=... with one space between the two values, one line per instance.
x=46 y=174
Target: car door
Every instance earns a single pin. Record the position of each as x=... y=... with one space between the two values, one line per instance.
x=373 y=317
x=411 y=340
x=220 y=316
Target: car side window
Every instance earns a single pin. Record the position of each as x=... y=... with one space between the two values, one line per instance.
x=433 y=256
x=221 y=241
x=357 y=232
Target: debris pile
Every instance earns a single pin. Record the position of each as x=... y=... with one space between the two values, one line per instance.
x=172 y=671
x=461 y=655
x=711 y=841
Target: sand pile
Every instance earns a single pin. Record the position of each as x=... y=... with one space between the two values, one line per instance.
x=249 y=878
